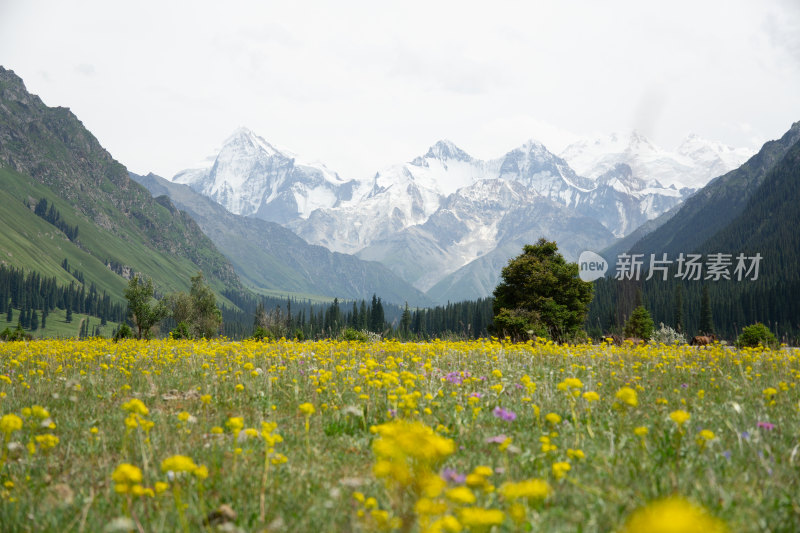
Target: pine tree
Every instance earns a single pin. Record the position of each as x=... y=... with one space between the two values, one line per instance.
x=44 y=318
x=678 y=309
x=706 y=319
x=539 y=294
x=34 y=321
x=69 y=314
x=377 y=317
x=10 y=313
x=405 y=322
x=640 y=325
x=363 y=316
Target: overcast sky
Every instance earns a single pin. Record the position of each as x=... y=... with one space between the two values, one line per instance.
x=361 y=85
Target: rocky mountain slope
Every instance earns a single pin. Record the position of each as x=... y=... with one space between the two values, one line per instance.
x=428 y=218
x=48 y=153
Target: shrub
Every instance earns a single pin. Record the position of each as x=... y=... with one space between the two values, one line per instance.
x=350 y=334
x=181 y=331
x=261 y=334
x=17 y=334
x=124 y=332
x=756 y=335
x=667 y=335
x=640 y=325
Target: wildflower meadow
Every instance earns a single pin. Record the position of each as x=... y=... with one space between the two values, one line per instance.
x=441 y=436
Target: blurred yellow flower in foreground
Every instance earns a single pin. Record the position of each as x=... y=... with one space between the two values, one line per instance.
x=673 y=515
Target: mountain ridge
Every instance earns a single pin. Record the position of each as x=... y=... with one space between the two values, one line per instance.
x=49 y=153
x=269 y=256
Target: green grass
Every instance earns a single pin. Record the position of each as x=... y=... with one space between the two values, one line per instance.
x=313 y=298
x=29 y=242
x=745 y=475
x=57 y=325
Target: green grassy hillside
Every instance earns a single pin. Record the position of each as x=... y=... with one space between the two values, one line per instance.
x=48 y=153
x=58 y=327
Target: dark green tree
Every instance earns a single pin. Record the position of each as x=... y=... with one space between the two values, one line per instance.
x=677 y=310
x=541 y=288
x=363 y=320
x=34 y=321
x=377 y=317
x=405 y=323
x=206 y=318
x=640 y=325
x=144 y=312
x=706 y=319
x=10 y=314
x=69 y=315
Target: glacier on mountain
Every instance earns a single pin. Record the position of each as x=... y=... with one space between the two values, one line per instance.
x=428 y=219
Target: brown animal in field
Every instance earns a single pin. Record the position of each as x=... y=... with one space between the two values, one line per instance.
x=703 y=340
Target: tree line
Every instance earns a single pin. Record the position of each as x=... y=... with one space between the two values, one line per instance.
x=49 y=213
x=34 y=296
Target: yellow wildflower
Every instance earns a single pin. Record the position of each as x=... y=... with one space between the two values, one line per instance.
x=531 y=489
x=628 y=396
x=679 y=417
x=235 y=424
x=178 y=463
x=553 y=418
x=480 y=518
x=125 y=476
x=461 y=495
x=10 y=423
x=591 y=396
x=46 y=441
x=560 y=469
x=673 y=515
x=136 y=406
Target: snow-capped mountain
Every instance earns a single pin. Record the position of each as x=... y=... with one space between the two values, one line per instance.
x=396 y=198
x=431 y=218
x=619 y=199
x=695 y=162
x=251 y=177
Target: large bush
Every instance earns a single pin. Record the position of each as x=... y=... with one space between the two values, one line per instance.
x=541 y=293
x=756 y=335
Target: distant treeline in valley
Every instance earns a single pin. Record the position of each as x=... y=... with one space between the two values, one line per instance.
x=34 y=296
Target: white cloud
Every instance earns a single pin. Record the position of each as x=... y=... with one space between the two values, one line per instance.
x=360 y=85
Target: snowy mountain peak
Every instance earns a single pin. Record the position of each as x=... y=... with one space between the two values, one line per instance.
x=637 y=137
x=443 y=151
x=536 y=147
x=692 y=165
x=249 y=176
x=245 y=139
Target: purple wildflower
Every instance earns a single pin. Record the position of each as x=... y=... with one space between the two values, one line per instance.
x=508 y=416
x=766 y=425
x=454 y=377
x=451 y=475
x=497 y=439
